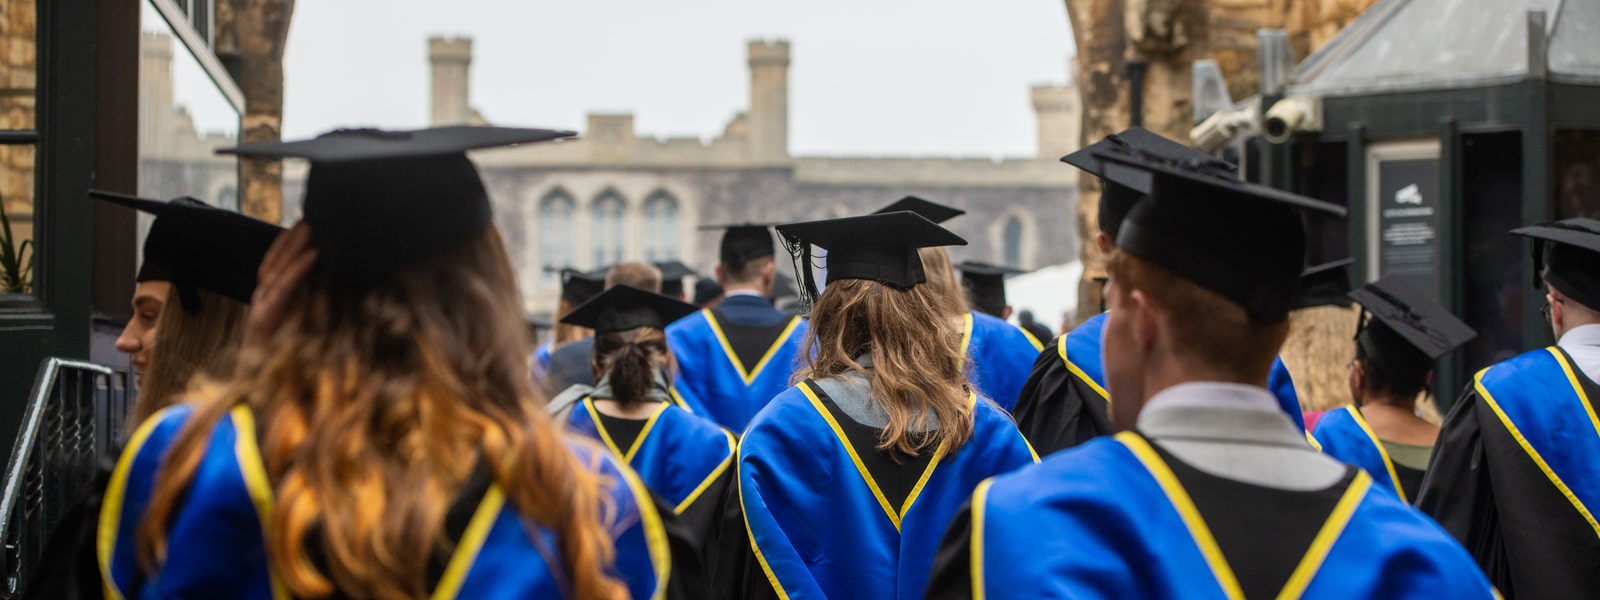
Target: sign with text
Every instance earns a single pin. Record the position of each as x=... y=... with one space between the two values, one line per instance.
x=1403 y=208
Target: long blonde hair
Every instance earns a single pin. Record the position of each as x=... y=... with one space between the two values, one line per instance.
x=374 y=406
x=943 y=280
x=191 y=344
x=916 y=367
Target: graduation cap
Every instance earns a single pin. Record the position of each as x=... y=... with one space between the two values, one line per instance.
x=1327 y=284
x=380 y=200
x=743 y=242
x=932 y=211
x=1405 y=327
x=878 y=247
x=706 y=290
x=626 y=307
x=986 y=285
x=578 y=287
x=197 y=247
x=1566 y=253
x=1243 y=241
x=672 y=274
x=1122 y=188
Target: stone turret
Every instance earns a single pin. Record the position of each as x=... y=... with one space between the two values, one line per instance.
x=451 y=60
x=769 y=101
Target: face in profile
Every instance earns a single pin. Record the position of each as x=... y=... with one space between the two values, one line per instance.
x=1123 y=358
x=139 y=337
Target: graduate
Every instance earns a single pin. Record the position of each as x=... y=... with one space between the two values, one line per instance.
x=1213 y=492
x=577 y=287
x=381 y=438
x=736 y=356
x=1516 y=469
x=685 y=459
x=572 y=363
x=672 y=274
x=1063 y=401
x=1402 y=334
x=847 y=479
x=207 y=259
x=999 y=351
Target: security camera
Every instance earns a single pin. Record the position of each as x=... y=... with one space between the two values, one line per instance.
x=1222 y=127
x=1290 y=115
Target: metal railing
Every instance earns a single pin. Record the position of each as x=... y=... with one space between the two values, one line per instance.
x=75 y=418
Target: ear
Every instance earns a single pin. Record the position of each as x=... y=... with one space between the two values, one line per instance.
x=1103 y=242
x=1005 y=314
x=1146 y=321
x=720 y=279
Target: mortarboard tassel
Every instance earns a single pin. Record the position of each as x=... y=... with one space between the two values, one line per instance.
x=800 y=254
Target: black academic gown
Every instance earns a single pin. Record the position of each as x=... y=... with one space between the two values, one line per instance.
x=1486 y=489
x=1060 y=407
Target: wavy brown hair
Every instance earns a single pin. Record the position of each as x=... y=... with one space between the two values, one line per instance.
x=943 y=279
x=631 y=357
x=374 y=406
x=917 y=369
x=189 y=347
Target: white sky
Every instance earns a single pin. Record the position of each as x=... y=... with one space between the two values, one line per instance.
x=867 y=77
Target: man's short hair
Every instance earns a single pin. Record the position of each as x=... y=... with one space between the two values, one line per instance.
x=747 y=271
x=1206 y=327
x=634 y=274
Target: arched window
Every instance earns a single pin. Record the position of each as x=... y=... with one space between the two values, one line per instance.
x=1011 y=237
x=660 y=227
x=555 y=233
x=607 y=228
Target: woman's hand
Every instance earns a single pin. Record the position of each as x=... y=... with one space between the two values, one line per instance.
x=285 y=265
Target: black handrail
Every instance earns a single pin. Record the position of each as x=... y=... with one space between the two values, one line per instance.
x=75 y=418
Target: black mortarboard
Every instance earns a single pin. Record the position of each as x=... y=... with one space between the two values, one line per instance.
x=672 y=274
x=878 y=247
x=578 y=287
x=1566 y=253
x=1243 y=241
x=706 y=290
x=379 y=200
x=195 y=246
x=932 y=211
x=626 y=307
x=1406 y=327
x=1327 y=284
x=743 y=242
x=986 y=285
x=1122 y=188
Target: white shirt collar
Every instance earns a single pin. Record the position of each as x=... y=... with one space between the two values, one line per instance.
x=1210 y=394
x=742 y=292
x=1582 y=335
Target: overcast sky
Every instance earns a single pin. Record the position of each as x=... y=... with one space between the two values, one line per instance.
x=877 y=77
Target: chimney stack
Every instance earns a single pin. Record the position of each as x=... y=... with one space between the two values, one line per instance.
x=451 y=58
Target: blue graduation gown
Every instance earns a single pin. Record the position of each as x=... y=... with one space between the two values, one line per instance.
x=1110 y=520
x=1344 y=434
x=732 y=392
x=1063 y=402
x=1515 y=476
x=1001 y=355
x=216 y=542
x=678 y=455
x=819 y=524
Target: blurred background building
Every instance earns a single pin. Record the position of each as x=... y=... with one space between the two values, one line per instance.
x=618 y=194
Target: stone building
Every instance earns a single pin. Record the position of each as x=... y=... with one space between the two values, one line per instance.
x=615 y=194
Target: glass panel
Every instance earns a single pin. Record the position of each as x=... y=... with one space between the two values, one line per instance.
x=607 y=238
x=18 y=61
x=1496 y=286
x=183 y=119
x=1577 y=173
x=555 y=234
x=661 y=228
x=1012 y=236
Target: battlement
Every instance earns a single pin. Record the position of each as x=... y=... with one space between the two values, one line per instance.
x=768 y=52
x=451 y=49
